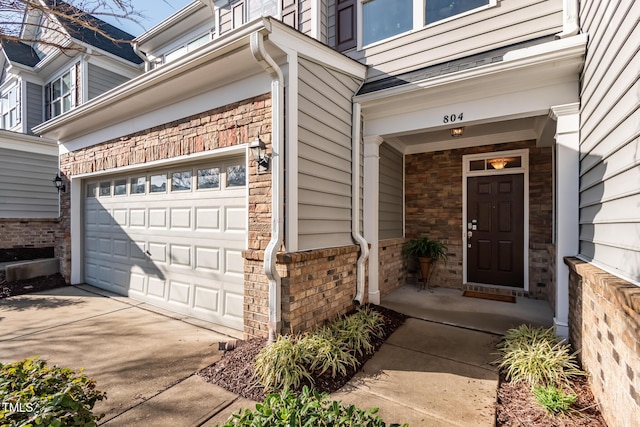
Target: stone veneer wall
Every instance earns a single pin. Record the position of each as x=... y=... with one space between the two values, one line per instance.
x=392 y=269
x=604 y=326
x=433 y=199
x=317 y=285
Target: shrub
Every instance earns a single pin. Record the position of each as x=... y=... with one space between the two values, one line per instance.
x=554 y=399
x=33 y=393
x=536 y=357
x=310 y=409
x=291 y=360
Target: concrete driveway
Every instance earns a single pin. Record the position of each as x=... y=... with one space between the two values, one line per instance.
x=144 y=360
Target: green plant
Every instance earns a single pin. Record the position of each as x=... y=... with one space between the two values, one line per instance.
x=424 y=247
x=33 y=393
x=357 y=330
x=283 y=364
x=327 y=354
x=554 y=399
x=309 y=409
x=536 y=357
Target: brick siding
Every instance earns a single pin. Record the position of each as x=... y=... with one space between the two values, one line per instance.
x=433 y=198
x=604 y=326
x=317 y=285
x=31 y=233
x=392 y=269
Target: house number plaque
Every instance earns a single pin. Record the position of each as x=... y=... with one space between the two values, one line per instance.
x=452 y=118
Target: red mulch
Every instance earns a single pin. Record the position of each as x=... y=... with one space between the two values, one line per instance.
x=234 y=371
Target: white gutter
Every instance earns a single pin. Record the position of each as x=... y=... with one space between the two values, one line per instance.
x=277 y=180
x=570 y=19
x=356 y=134
x=143 y=56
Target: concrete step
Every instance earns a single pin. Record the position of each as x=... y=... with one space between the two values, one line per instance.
x=21 y=270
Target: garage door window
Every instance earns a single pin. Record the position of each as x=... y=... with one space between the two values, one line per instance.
x=91 y=190
x=208 y=178
x=105 y=189
x=158 y=183
x=120 y=187
x=236 y=176
x=181 y=181
x=138 y=185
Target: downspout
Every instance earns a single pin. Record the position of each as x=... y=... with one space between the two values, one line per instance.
x=570 y=19
x=136 y=50
x=277 y=180
x=356 y=135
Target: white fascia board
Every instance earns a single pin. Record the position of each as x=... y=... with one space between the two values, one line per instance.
x=27 y=143
x=558 y=50
x=116 y=99
x=287 y=37
x=169 y=28
x=91 y=49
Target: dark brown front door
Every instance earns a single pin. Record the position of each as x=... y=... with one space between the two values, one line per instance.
x=495 y=230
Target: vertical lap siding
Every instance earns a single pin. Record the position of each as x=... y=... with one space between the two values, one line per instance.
x=390 y=194
x=610 y=137
x=35 y=103
x=102 y=80
x=26 y=190
x=324 y=137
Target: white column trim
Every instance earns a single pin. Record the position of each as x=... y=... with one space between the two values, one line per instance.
x=291 y=116
x=77 y=241
x=566 y=184
x=371 y=207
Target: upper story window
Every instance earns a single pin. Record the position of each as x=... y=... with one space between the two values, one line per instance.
x=9 y=106
x=382 y=19
x=189 y=47
x=60 y=94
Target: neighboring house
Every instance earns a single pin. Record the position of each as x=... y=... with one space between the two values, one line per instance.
x=476 y=122
x=40 y=82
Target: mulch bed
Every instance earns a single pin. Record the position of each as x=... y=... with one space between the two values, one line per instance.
x=234 y=371
x=516 y=407
x=21 y=287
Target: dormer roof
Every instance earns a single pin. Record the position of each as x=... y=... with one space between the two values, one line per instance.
x=20 y=53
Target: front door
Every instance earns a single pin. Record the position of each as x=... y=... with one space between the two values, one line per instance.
x=495 y=230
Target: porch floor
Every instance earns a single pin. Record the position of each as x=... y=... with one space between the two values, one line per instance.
x=448 y=306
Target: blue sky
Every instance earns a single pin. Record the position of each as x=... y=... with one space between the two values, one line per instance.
x=155 y=10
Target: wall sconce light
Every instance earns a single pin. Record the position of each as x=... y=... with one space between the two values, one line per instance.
x=259 y=154
x=456 y=132
x=57 y=181
x=498 y=163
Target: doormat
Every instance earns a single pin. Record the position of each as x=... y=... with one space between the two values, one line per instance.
x=485 y=295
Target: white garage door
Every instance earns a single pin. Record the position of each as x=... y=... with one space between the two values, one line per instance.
x=172 y=238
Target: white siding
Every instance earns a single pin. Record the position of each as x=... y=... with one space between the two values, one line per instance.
x=324 y=191
x=35 y=106
x=305 y=16
x=610 y=137
x=102 y=80
x=512 y=21
x=26 y=190
x=390 y=194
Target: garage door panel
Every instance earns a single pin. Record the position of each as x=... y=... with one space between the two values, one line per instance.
x=158 y=218
x=207 y=219
x=180 y=219
x=180 y=255
x=180 y=250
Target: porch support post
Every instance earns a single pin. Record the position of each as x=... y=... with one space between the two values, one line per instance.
x=567 y=171
x=371 y=190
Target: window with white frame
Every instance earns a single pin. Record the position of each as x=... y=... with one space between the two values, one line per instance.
x=61 y=94
x=188 y=47
x=382 y=19
x=9 y=106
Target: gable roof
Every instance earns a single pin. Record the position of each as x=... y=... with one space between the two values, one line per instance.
x=19 y=52
x=78 y=32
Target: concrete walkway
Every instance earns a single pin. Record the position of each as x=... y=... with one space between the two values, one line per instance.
x=426 y=374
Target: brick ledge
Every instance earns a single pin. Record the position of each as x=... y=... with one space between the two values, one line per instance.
x=292 y=257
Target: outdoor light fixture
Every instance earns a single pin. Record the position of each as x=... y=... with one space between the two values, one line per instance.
x=57 y=181
x=498 y=163
x=455 y=132
x=259 y=154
